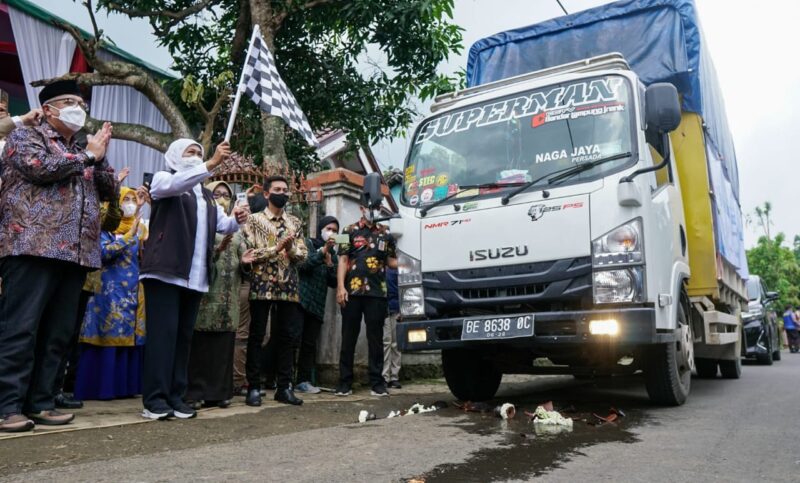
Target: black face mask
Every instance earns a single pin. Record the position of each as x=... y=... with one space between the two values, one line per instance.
x=278 y=200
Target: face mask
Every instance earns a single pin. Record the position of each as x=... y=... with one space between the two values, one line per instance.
x=223 y=203
x=128 y=209
x=72 y=116
x=327 y=234
x=190 y=162
x=278 y=200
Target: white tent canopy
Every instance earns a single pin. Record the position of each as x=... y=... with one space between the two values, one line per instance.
x=46 y=52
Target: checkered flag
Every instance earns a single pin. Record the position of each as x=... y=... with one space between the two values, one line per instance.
x=263 y=84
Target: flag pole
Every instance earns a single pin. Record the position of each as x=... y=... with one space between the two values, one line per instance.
x=240 y=87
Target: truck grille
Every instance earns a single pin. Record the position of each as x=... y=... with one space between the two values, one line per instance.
x=490 y=293
x=553 y=285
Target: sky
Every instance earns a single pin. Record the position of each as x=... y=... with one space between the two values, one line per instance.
x=749 y=42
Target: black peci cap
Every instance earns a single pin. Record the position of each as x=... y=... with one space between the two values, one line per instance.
x=59 y=88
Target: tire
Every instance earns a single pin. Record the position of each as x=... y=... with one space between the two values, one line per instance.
x=668 y=367
x=766 y=358
x=469 y=376
x=731 y=369
x=706 y=368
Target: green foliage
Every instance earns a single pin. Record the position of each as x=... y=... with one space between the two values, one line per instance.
x=325 y=51
x=778 y=267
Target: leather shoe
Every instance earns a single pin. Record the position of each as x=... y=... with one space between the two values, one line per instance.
x=287 y=396
x=67 y=402
x=253 y=398
x=51 y=417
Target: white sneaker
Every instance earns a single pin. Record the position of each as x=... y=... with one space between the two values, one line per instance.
x=307 y=388
x=160 y=416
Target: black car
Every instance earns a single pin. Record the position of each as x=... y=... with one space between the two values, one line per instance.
x=760 y=325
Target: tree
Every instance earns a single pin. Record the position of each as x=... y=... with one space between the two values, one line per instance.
x=763 y=214
x=324 y=50
x=778 y=268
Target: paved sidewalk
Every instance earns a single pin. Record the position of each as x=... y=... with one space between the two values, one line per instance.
x=124 y=412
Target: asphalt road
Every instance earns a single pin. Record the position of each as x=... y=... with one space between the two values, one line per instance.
x=743 y=430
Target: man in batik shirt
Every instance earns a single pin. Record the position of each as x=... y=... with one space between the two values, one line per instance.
x=49 y=239
x=361 y=292
x=275 y=248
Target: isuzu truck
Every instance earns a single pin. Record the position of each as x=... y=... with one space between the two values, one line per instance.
x=575 y=209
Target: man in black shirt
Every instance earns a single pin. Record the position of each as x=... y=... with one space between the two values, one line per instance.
x=361 y=291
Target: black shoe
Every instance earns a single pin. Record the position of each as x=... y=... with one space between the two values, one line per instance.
x=66 y=402
x=183 y=411
x=343 y=390
x=253 y=398
x=395 y=385
x=287 y=396
x=379 y=390
x=195 y=404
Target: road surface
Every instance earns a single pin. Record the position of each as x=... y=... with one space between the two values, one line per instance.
x=743 y=430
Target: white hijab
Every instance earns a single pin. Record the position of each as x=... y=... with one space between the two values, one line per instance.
x=174 y=154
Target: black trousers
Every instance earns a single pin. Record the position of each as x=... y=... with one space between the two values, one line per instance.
x=374 y=311
x=170 y=312
x=307 y=358
x=68 y=369
x=37 y=316
x=284 y=335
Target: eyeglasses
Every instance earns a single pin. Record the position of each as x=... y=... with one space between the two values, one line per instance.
x=221 y=195
x=69 y=102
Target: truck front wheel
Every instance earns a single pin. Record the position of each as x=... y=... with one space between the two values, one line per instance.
x=668 y=370
x=469 y=376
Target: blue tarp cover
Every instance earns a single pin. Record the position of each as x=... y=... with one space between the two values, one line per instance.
x=662 y=42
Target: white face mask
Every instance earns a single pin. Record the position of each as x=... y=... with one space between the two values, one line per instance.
x=326 y=234
x=74 y=117
x=190 y=162
x=128 y=209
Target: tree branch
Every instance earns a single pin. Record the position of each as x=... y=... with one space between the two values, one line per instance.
x=175 y=15
x=159 y=141
x=211 y=117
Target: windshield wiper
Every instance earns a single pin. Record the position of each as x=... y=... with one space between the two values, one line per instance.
x=564 y=173
x=461 y=189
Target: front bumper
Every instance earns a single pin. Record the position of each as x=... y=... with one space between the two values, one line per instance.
x=637 y=326
x=755 y=338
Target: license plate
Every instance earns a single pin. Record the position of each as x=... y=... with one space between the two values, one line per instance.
x=489 y=328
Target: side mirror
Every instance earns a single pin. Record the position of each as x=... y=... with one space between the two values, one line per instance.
x=662 y=107
x=372 y=195
x=772 y=296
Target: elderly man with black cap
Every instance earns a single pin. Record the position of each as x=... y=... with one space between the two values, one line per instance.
x=49 y=239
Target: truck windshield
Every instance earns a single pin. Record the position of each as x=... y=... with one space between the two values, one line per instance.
x=521 y=137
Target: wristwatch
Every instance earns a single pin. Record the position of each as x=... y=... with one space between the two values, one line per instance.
x=91 y=156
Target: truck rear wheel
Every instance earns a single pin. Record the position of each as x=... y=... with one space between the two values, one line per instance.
x=469 y=376
x=731 y=369
x=668 y=370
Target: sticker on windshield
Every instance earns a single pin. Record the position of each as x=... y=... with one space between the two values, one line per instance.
x=440 y=193
x=468 y=193
x=587 y=98
x=579 y=154
x=452 y=189
x=427 y=195
x=575 y=112
x=414 y=200
x=441 y=180
x=428 y=180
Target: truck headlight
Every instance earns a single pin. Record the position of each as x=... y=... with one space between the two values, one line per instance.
x=618 y=286
x=412 y=301
x=409 y=278
x=409 y=270
x=621 y=246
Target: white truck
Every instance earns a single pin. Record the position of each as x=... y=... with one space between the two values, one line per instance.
x=569 y=214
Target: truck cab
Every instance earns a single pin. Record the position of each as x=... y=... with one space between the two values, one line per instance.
x=541 y=217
